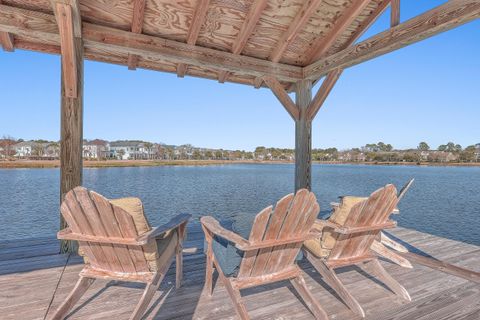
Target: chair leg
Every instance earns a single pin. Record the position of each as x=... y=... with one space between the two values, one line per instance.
x=302 y=289
x=236 y=297
x=147 y=296
x=331 y=279
x=376 y=269
x=80 y=288
x=179 y=266
x=209 y=268
x=381 y=250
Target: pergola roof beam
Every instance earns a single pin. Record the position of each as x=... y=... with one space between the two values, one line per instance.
x=442 y=18
x=137 y=27
x=323 y=44
x=297 y=24
x=43 y=27
x=194 y=30
x=246 y=30
x=334 y=75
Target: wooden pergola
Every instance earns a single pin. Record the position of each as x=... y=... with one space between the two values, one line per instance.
x=285 y=45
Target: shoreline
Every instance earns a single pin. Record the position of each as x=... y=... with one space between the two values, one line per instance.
x=43 y=164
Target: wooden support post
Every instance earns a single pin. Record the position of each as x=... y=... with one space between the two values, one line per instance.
x=71 y=136
x=71 y=110
x=303 y=136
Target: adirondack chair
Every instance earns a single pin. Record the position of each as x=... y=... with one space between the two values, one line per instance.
x=347 y=237
x=269 y=253
x=118 y=244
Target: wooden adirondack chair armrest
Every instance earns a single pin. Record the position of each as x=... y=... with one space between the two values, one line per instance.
x=64 y=233
x=213 y=226
x=68 y=234
x=351 y=230
x=174 y=223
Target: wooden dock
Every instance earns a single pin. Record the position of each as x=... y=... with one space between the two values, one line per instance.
x=34 y=279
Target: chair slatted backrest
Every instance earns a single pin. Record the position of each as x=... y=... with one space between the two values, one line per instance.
x=88 y=213
x=375 y=210
x=292 y=218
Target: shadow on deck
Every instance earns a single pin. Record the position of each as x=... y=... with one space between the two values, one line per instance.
x=34 y=280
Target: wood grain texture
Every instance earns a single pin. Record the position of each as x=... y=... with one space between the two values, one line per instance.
x=245 y=32
x=332 y=280
x=297 y=24
x=394 y=13
x=80 y=288
x=292 y=220
x=31 y=269
x=7 y=42
x=322 y=93
x=194 y=30
x=119 y=42
x=303 y=136
x=95 y=220
x=322 y=45
x=359 y=31
x=71 y=136
x=353 y=245
x=282 y=26
x=442 y=266
x=67 y=44
x=282 y=96
x=442 y=18
x=137 y=27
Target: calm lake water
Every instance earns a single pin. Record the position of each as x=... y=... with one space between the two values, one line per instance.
x=444 y=201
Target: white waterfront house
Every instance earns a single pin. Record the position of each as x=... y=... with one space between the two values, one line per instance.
x=24 y=149
x=96 y=149
x=131 y=150
x=36 y=149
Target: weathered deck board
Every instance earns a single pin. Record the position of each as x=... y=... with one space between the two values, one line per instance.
x=30 y=271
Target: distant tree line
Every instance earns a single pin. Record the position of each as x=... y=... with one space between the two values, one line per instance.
x=371 y=152
x=382 y=152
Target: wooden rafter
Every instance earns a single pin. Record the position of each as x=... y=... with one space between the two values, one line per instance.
x=322 y=93
x=194 y=30
x=6 y=40
x=333 y=76
x=360 y=31
x=282 y=96
x=246 y=30
x=442 y=18
x=117 y=42
x=323 y=44
x=296 y=25
x=64 y=16
x=137 y=27
x=395 y=13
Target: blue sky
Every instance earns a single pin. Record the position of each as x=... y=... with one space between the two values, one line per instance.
x=425 y=92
